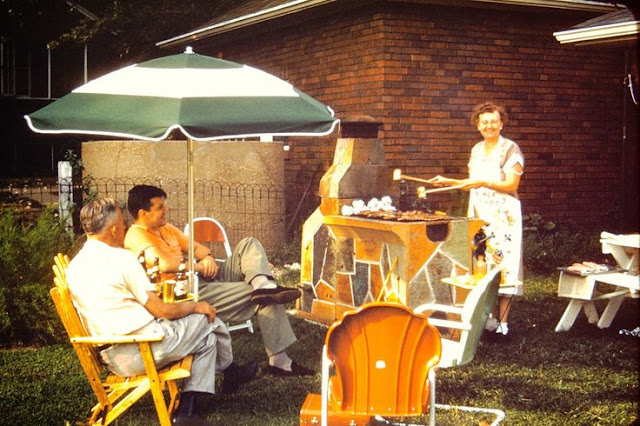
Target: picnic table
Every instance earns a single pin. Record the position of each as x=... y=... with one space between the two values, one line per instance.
x=582 y=289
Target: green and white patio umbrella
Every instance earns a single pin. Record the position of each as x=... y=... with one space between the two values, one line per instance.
x=205 y=98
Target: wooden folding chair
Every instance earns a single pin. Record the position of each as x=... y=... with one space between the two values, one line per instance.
x=207 y=230
x=115 y=394
x=383 y=355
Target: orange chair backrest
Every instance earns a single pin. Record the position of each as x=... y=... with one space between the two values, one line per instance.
x=382 y=353
x=209 y=230
x=204 y=230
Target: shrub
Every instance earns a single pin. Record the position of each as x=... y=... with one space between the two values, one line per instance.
x=27 y=315
x=547 y=245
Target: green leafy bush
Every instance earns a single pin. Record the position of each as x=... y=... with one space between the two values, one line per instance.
x=548 y=245
x=27 y=315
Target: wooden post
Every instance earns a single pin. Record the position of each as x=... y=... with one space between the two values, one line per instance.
x=65 y=192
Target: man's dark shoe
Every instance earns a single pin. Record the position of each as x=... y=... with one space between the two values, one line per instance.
x=236 y=375
x=275 y=296
x=187 y=412
x=296 y=371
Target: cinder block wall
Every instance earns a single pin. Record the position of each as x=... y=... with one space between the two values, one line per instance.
x=239 y=183
x=421 y=68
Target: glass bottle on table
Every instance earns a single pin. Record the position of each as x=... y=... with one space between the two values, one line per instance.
x=182 y=281
x=143 y=261
x=155 y=277
x=480 y=268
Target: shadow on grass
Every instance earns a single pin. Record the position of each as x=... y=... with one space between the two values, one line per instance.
x=538 y=377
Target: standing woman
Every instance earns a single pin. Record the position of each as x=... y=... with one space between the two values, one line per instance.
x=495 y=168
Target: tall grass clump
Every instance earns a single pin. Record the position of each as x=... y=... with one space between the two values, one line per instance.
x=27 y=248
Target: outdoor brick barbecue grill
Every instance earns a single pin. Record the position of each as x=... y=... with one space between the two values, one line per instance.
x=346 y=259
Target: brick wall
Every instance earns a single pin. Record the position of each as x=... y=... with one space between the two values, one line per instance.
x=564 y=103
x=419 y=69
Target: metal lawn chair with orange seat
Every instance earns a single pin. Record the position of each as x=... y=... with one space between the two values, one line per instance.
x=207 y=230
x=383 y=355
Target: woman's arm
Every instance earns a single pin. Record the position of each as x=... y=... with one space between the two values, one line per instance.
x=509 y=185
x=440 y=181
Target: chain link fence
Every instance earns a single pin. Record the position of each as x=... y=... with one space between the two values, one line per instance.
x=272 y=213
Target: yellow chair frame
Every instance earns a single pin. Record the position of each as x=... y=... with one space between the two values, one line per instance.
x=116 y=394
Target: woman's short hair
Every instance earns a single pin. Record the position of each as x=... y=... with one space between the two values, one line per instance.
x=487 y=107
x=98 y=214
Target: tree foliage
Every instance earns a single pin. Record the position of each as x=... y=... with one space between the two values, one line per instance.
x=124 y=29
x=34 y=19
x=130 y=29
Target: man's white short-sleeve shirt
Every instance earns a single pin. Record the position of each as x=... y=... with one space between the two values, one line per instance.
x=109 y=288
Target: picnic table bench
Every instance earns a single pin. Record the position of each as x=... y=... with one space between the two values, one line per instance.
x=581 y=288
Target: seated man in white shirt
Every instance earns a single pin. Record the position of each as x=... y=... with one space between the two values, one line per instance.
x=114 y=296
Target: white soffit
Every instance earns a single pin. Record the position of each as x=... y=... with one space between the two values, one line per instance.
x=616 y=26
x=620 y=32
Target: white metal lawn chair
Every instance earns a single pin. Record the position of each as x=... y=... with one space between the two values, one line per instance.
x=209 y=230
x=472 y=318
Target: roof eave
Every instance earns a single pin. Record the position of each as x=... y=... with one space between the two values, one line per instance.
x=295 y=6
x=604 y=33
x=578 y=5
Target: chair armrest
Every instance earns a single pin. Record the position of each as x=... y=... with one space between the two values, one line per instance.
x=437 y=322
x=116 y=339
x=324 y=407
x=438 y=308
x=431 y=378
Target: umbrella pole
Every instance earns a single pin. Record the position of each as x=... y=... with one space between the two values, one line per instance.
x=193 y=283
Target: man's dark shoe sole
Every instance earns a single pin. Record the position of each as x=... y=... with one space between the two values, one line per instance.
x=275 y=296
x=194 y=420
x=296 y=371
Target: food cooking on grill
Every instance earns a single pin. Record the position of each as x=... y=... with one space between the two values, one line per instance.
x=358 y=206
x=404 y=216
x=383 y=209
x=379 y=214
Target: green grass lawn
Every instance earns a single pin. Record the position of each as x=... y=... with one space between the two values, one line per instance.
x=586 y=376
